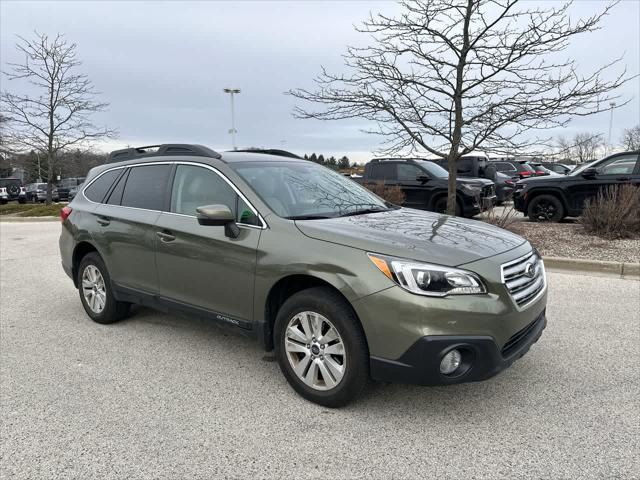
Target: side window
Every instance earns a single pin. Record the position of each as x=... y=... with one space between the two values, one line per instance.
x=115 y=197
x=195 y=187
x=99 y=188
x=383 y=171
x=146 y=187
x=408 y=172
x=618 y=166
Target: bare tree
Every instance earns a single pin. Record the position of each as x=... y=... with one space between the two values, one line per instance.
x=451 y=76
x=58 y=115
x=563 y=149
x=631 y=138
x=586 y=146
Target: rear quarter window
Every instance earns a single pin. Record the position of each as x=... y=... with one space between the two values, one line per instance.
x=99 y=188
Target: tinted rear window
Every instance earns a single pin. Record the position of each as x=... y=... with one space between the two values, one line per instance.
x=146 y=187
x=99 y=188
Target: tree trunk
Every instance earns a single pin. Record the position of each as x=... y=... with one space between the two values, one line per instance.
x=50 y=178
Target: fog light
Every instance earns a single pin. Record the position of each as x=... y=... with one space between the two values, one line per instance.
x=450 y=362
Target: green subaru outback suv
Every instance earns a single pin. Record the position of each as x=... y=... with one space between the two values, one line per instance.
x=341 y=284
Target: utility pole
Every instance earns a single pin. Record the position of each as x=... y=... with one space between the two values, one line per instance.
x=233 y=131
x=39 y=172
x=612 y=105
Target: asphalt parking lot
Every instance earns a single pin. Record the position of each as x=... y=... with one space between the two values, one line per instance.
x=159 y=396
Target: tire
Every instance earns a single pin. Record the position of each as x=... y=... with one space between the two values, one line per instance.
x=440 y=206
x=333 y=315
x=22 y=201
x=111 y=310
x=545 y=208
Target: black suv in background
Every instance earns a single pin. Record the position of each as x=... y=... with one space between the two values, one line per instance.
x=552 y=198
x=12 y=189
x=478 y=166
x=67 y=184
x=424 y=184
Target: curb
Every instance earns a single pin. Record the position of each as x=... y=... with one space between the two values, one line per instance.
x=593 y=266
x=8 y=219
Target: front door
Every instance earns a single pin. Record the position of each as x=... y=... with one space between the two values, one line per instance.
x=198 y=266
x=415 y=190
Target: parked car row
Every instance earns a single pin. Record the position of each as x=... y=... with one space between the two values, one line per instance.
x=12 y=189
x=543 y=191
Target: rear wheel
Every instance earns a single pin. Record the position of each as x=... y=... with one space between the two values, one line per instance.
x=321 y=348
x=545 y=208
x=94 y=285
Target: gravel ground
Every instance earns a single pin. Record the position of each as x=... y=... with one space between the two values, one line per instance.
x=159 y=396
x=568 y=239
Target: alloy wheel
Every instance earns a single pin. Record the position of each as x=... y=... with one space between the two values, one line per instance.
x=315 y=350
x=93 y=289
x=545 y=210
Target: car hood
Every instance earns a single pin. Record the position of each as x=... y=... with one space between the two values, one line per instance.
x=415 y=234
x=481 y=182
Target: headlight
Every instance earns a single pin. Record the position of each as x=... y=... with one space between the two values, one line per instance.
x=427 y=279
x=472 y=190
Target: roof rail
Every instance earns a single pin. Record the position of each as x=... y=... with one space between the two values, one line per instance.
x=269 y=151
x=166 y=149
x=393 y=159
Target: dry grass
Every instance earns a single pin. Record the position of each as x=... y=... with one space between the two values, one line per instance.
x=614 y=213
x=500 y=217
x=31 y=210
x=393 y=194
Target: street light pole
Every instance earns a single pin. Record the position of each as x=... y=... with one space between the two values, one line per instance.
x=233 y=131
x=612 y=105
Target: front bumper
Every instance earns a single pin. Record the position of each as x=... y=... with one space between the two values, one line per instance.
x=481 y=359
x=519 y=201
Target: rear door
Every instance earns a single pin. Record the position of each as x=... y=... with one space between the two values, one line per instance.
x=125 y=225
x=198 y=266
x=617 y=170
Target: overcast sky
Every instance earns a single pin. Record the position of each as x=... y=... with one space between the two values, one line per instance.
x=162 y=66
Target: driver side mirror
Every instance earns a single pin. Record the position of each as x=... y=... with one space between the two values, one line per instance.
x=422 y=178
x=590 y=172
x=219 y=215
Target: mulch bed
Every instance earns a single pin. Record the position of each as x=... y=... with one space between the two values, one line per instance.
x=567 y=239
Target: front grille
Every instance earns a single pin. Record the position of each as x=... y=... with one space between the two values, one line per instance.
x=524 y=278
x=488 y=191
x=519 y=338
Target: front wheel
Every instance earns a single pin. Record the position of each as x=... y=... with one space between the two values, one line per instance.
x=321 y=348
x=545 y=208
x=96 y=293
x=440 y=206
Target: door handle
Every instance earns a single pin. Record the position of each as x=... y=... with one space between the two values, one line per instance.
x=104 y=221
x=166 y=236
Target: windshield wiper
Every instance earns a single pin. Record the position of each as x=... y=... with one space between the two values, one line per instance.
x=364 y=211
x=307 y=217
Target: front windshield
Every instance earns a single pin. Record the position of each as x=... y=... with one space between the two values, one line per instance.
x=300 y=190
x=433 y=169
